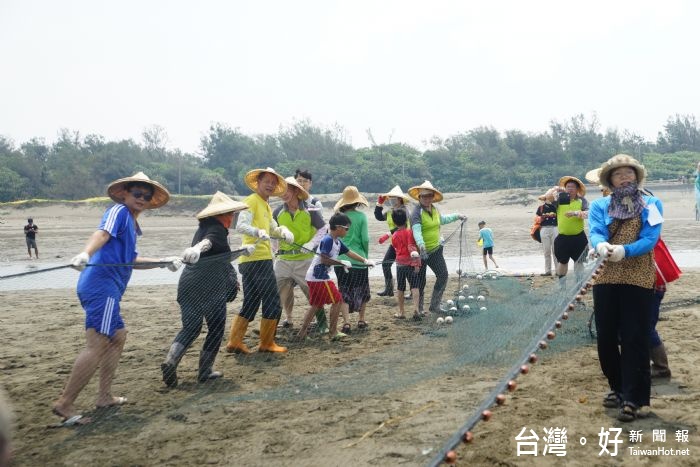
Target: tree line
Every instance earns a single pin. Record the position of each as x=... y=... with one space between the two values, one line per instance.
x=76 y=167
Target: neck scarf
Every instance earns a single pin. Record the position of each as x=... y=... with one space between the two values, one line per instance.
x=626 y=202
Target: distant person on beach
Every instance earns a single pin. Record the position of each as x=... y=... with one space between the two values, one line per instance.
x=207 y=283
x=548 y=229
x=100 y=289
x=425 y=223
x=30 y=231
x=387 y=204
x=487 y=244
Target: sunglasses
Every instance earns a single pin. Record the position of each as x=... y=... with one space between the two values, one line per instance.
x=346 y=227
x=141 y=194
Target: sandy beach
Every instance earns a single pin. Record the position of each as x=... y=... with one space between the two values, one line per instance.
x=247 y=419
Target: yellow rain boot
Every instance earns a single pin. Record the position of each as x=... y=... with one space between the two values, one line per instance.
x=268 y=328
x=235 y=339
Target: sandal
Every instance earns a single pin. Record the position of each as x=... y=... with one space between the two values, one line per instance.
x=346 y=328
x=398 y=316
x=629 y=412
x=612 y=400
x=361 y=324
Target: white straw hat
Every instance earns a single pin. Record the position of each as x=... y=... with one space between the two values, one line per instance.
x=221 y=203
x=396 y=192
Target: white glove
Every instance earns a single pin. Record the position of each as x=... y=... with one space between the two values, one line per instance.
x=415 y=254
x=191 y=254
x=462 y=217
x=80 y=261
x=262 y=234
x=175 y=262
x=591 y=253
x=617 y=254
x=309 y=246
x=346 y=264
x=247 y=250
x=370 y=262
x=286 y=234
x=603 y=248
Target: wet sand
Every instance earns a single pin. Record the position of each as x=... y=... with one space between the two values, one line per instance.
x=228 y=423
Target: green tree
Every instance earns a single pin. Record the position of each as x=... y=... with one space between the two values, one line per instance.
x=681 y=133
x=12 y=185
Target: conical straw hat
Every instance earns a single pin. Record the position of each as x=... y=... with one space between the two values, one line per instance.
x=396 y=192
x=221 y=203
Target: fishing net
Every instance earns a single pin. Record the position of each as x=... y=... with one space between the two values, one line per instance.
x=488 y=325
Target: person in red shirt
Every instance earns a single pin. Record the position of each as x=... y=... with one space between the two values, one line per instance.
x=407 y=263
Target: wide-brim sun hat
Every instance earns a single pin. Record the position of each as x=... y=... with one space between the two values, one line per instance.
x=302 y=194
x=396 y=192
x=615 y=162
x=117 y=190
x=593 y=176
x=543 y=197
x=570 y=178
x=423 y=188
x=221 y=203
x=251 y=179
x=351 y=195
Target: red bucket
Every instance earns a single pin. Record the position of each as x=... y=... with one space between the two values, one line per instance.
x=666 y=268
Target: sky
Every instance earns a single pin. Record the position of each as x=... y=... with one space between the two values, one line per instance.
x=405 y=70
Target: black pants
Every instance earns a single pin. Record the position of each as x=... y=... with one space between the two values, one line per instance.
x=623 y=320
x=389 y=258
x=259 y=287
x=193 y=312
x=436 y=263
x=405 y=274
